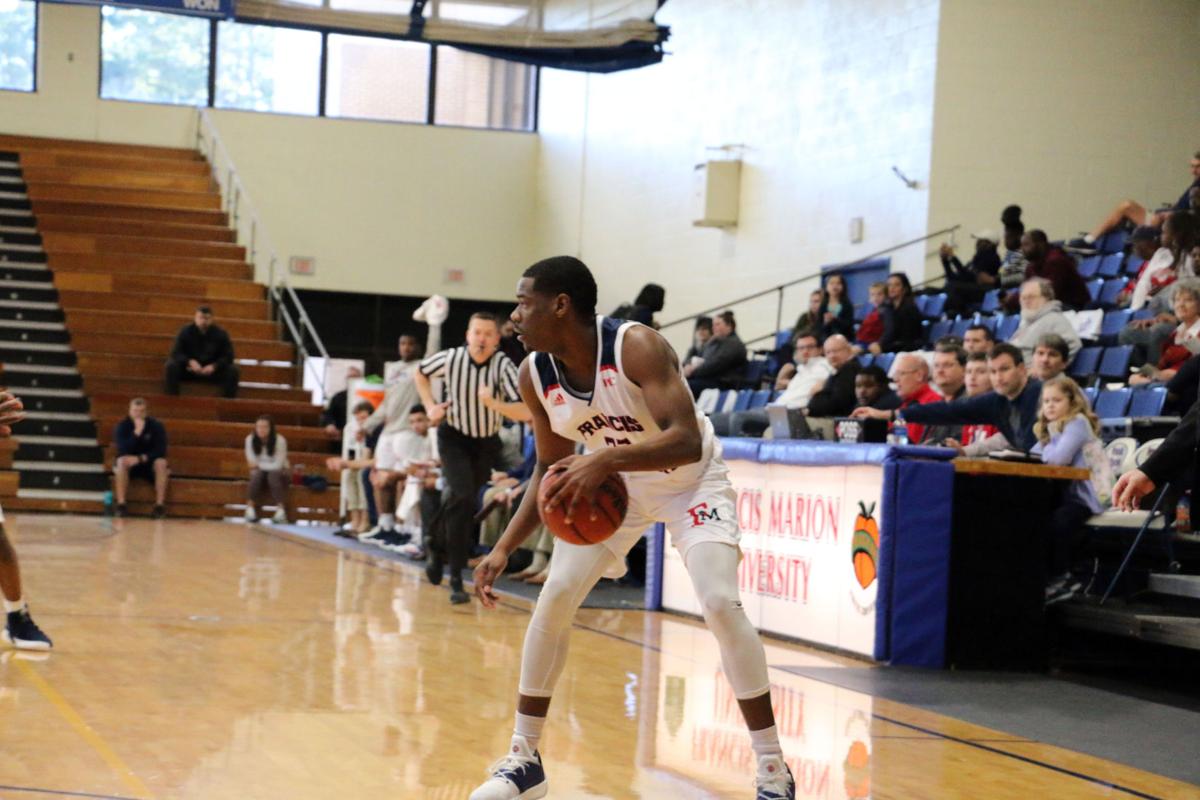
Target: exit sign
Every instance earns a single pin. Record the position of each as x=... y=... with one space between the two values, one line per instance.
x=455 y=275
x=302 y=265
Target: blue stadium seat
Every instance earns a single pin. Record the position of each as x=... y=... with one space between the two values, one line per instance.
x=1110 y=265
x=861 y=311
x=1086 y=362
x=1133 y=264
x=959 y=328
x=1091 y=393
x=1112 y=403
x=1114 y=365
x=754 y=372
x=1089 y=266
x=744 y=396
x=939 y=329
x=1007 y=327
x=1094 y=286
x=719 y=406
x=991 y=302
x=1141 y=313
x=1112 y=325
x=1147 y=401
x=884 y=361
x=865 y=359
x=920 y=301
x=1112 y=242
x=1109 y=292
x=990 y=323
x=782 y=338
x=935 y=304
x=760 y=398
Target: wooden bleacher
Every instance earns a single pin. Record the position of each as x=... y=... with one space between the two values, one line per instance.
x=136 y=238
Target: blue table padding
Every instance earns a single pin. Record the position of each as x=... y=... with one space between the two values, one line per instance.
x=743 y=449
x=810 y=453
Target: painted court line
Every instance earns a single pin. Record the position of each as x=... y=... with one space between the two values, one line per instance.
x=61 y=792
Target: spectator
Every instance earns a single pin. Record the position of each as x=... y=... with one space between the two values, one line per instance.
x=499 y=503
x=649 y=302
x=949 y=370
x=1012 y=268
x=810 y=321
x=1011 y=406
x=836 y=313
x=797 y=381
x=871 y=389
x=1185 y=342
x=1170 y=262
x=912 y=384
x=202 y=352
x=333 y=418
x=978 y=339
x=966 y=284
x=723 y=359
x=1053 y=264
x=1130 y=211
x=1050 y=357
x=411 y=349
x=1143 y=244
x=902 y=328
x=1041 y=314
x=356 y=457
x=700 y=336
x=975 y=438
x=1068 y=435
x=836 y=397
x=411 y=459
x=871 y=329
x=266 y=455
x=141 y=443
x=509 y=344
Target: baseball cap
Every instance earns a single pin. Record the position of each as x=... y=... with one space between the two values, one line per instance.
x=1144 y=233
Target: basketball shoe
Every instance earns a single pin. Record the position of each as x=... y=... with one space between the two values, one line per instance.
x=23 y=633
x=371 y=536
x=517 y=776
x=774 y=780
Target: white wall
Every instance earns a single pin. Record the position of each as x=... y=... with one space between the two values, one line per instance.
x=1064 y=108
x=382 y=207
x=825 y=95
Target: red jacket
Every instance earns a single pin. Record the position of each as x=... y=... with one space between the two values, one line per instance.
x=871 y=328
x=923 y=395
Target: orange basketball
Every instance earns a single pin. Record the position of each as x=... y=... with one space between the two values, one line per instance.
x=593 y=522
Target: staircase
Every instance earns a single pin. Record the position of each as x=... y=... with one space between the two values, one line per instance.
x=105 y=251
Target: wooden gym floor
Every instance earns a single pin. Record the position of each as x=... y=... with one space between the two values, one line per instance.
x=209 y=660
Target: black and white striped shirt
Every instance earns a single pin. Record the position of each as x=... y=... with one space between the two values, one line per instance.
x=463 y=379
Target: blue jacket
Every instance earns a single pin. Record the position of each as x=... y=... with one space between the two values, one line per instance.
x=988 y=409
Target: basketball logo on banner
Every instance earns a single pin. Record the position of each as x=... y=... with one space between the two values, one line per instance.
x=864 y=557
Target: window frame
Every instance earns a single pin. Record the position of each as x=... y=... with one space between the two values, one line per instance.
x=37 y=24
x=210 y=77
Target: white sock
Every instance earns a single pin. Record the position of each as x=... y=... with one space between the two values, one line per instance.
x=387 y=521
x=766 y=742
x=1089 y=238
x=13 y=605
x=531 y=728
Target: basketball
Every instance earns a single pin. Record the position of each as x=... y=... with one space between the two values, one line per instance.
x=590 y=525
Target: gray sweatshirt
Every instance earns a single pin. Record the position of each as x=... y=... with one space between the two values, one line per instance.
x=1047 y=319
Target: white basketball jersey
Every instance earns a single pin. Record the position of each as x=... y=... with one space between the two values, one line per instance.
x=614 y=413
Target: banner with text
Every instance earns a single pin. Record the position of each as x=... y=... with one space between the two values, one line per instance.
x=221 y=9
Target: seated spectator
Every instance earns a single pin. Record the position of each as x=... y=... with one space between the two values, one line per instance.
x=1130 y=211
x=202 y=352
x=911 y=373
x=949 y=378
x=333 y=417
x=974 y=440
x=1041 y=314
x=1011 y=406
x=1050 y=357
x=1171 y=261
x=1012 y=268
x=797 y=381
x=978 y=339
x=1185 y=341
x=836 y=314
x=1143 y=244
x=356 y=457
x=266 y=455
x=723 y=361
x=649 y=302
x=404 y=456
x=871 y=329
x=871 y=389
x=1056 y=266
x=810 y=320
x=141 y=443
x=902 y=328
x=700 y=336
x=500 y=502
x=1068 y=435
x=966 y=284
x=835 y=398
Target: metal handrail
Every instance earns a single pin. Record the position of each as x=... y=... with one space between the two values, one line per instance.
x=250 y=231
x=804 y=279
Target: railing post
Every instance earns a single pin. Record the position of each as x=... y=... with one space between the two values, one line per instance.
x=779 y=311
x=253 y=230
x=271 y=287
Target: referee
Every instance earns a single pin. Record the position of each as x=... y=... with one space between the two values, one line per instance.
x=481 y=384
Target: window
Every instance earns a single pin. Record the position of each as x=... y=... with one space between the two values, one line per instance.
x=264 y=68
x=18 y=37
x=483 y=92
x=161 y=58
x=372 y=78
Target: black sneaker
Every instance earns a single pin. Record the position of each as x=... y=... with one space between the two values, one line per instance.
x=1064 y=591
x=393 y=541
x=122 y=510
x=23 y=633
x=433 y=569
x=160 y=512
x=457 y=595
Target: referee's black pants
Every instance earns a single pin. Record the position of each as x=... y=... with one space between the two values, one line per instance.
x=467 y=464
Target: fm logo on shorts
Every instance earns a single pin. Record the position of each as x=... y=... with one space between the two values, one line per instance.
x=702 y=513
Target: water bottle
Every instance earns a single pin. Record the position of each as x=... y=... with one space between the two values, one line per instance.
x=108 y=503
x=1183 y=514
x=899 y=433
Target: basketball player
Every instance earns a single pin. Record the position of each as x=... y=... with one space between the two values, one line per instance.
x=616 y=387
x=20 y=630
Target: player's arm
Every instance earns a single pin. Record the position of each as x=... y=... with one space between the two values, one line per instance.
x=551 y=448
x=650 y=363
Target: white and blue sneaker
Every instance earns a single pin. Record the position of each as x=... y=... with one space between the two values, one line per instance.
x=774 y=780
x=23 y=633
x=517 y=776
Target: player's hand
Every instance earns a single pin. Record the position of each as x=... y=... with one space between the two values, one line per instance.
x=487 y=396
x=486 y=572
x=12 y=411
x=580 y=477
x=1130 y=489
x=438 y=413
x=954 y=444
